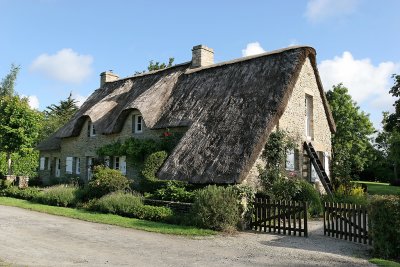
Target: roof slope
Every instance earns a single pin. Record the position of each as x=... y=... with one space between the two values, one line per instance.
x=230 y=108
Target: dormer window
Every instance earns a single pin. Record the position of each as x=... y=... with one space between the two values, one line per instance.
x=137 y=124
x=91 y=130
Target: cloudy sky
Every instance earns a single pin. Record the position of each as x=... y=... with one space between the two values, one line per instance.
x=63 y=45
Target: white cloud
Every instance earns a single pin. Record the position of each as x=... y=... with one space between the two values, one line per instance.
x=66 y=65
x=252 y=49
x=293 y=42
x=33 y=101
x=79 y=98
x=318 y=10
x=368 y=84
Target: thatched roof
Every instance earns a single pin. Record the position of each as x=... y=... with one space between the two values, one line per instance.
x=229 y=108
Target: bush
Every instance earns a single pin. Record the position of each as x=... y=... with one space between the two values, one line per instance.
x=384 y=213
x=216 y=208
x=173 y=191
x=105 y=181
x=58 y=195
x=26 y=193
x=351 y=194
x=129 y=205
x=309 y=194
x=152 y=163
x=5 y=183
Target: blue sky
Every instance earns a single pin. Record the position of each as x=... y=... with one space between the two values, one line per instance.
x=63 y=45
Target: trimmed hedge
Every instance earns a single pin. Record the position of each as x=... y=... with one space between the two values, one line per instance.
x=26 y=193
x=384 y=213
x=58 y=195
x=217 y=208
x=129 y=205
x=105 y=181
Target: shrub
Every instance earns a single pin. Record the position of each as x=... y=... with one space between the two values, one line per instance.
x=351 y=194
x=309 y=194
x=216 y=208
x=384 y=213
x=173 y=191
x=152 y=163
x=26 y=193
x=58 y=195
x=105 y=181
x=5 y=183
x=129 y=205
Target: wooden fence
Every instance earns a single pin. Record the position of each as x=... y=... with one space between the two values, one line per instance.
x=347 y=221
x=282 y=217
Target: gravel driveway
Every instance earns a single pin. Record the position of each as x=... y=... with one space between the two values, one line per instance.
x=35 y=239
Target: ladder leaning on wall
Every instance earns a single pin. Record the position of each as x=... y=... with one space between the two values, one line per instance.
x=318 y=167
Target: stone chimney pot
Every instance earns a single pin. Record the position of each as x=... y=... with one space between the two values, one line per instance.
x=202 y=56
x=107 y=76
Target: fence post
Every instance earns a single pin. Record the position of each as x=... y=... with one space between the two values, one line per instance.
x=305 y=219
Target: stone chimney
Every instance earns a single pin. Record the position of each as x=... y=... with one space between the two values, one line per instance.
x=107 y=76
x=202 y=56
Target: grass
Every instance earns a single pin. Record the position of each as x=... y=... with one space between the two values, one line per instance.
x=108 y=218
x=384 y=263
x=375 y=188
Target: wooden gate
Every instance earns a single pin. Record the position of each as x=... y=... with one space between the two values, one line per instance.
x=282 y=217
x=347 y=221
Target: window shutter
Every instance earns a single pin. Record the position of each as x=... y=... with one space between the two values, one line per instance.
x=42 y=161
x=122 y=163
x=77 y=165
x=290 y=160
x=68 y=165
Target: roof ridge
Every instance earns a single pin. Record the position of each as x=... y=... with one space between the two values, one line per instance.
x=241 y=59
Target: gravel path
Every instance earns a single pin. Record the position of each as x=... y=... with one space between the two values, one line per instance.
x=35 y=239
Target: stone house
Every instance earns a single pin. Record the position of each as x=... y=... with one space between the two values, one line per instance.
x=224 y=111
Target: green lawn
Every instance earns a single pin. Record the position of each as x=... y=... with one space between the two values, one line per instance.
x=384 y=263
x=375 y=188
x=108 y=218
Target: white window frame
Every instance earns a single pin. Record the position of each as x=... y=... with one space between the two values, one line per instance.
x=290 y=160
x=116 y=163
x=77 y=165
x=326 y=163
x=107 y=161
x=42 y=163
x=91 y=129
x=313 y=174
x=68 y=165
x=89 y=168
x=139 y=123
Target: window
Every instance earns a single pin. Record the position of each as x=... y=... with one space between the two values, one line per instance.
x=77 y=165
x=42 y=161
x=68 y=165
x=107 y=161
x=116 y=163
x=309 y=116
x=313 y=174
x=290 y=160
x=137 y=124
x=91 y=131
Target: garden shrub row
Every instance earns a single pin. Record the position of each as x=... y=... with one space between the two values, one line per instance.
x=129 y=205
x=58 y=195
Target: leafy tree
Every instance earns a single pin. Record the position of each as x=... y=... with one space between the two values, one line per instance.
x=19 y=126
x=8 y=83
x=393 y=120
x=58 y=115
x=351 y=142
x=157 y=65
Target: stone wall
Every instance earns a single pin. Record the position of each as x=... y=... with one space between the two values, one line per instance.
x=293 y=122
x=83 y=147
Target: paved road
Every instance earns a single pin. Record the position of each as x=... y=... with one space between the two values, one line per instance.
x=35 y=239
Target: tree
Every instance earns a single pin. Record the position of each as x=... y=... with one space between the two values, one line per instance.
x=19 y=126
x=351 y=142
x=157 y=65
x=58 y=115
x=8 y=83
x=393 y=120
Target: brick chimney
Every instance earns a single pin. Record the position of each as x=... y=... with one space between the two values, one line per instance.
x=202 y=56
x=107 y=76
